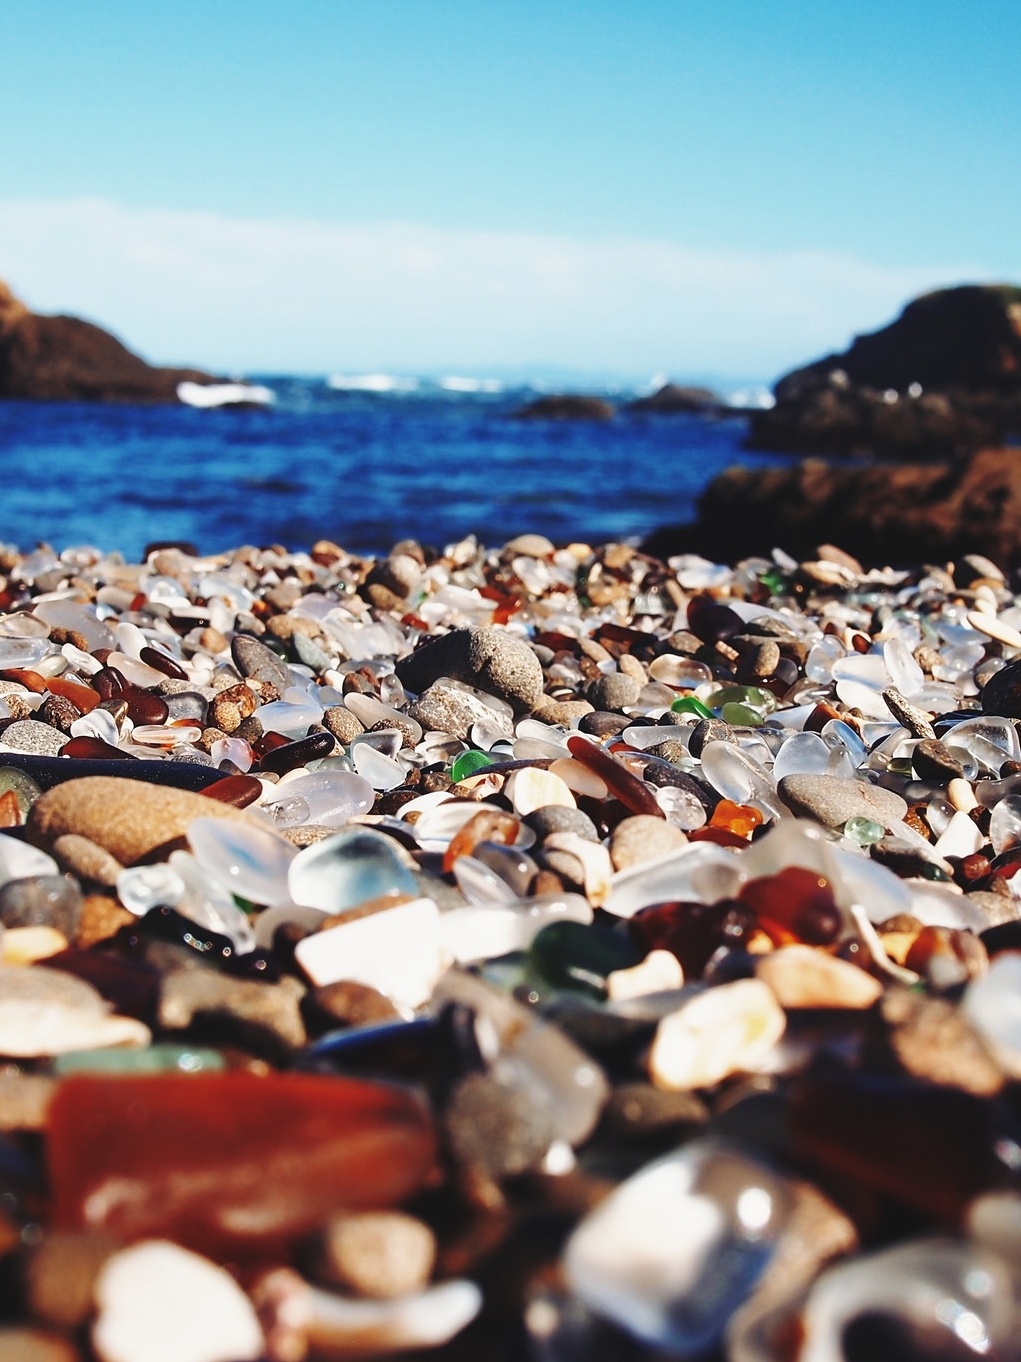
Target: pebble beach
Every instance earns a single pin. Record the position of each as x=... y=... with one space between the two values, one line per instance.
x=529 y=952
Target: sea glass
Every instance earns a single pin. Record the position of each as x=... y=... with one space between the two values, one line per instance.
x=247 y=859
x=794 y=905
x=633 y=793
x=232 y=1165
x=349 y=868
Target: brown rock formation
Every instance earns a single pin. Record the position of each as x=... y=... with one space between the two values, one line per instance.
x=943 y=379
x=565 y=407
x=67 y=359
x=675 y=397
x=893 y=514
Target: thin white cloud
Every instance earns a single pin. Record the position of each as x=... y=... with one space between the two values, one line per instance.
x=293 y=295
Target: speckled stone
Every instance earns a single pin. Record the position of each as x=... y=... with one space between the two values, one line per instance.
x=344 y=725
x=643 y=838
x=496 y=662
x=932 y=1040
x=127 y=818
x=915 y=720
x=29 y=735
x=832 y=800
x=553 y=818
x=84 y=858
x=500 y=1129
x=381 y=1254
x=253 y=659
x=445 y=709
x=613 y=691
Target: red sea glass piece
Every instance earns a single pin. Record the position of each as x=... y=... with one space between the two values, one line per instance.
x=108 y=683
x=723 y=837
x=633 y=793
x=84 y=698
x=795 y=904
x=94 y=749
x=232 y=1165
x=237 y=790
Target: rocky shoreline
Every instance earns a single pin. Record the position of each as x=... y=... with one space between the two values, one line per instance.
x=522 y=953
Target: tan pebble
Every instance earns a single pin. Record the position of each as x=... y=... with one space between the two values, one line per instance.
x=380 y=1254
x=931 y=1038
x=83 y=858
x=579 y=779
x=225 y=715
x=803 y=976
x=659 y=972
x=726 y=1030
x=25 y=945
x=342 y=723
x=594 y=650
x=61 y=1275
x=127 y=818
x=533 y=789
x=961 y=795
x=21 y=1343
x=529 y=546
x=101 y=918
x=553 y=711
x=593 y=860
x=630 y=666
x=643 y=838
x=994 y=628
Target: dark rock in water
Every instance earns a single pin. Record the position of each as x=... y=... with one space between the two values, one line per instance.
x=675 y=397
x=69 y=360
x=944 y=378
x=882 y=513
x=565 y=407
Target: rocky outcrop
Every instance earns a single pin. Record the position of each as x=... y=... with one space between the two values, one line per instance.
x=675 y=397
x=67 y=359
x=943 y=379
x=884 y=514
x=565 y=407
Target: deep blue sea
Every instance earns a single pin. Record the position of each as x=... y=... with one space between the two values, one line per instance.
x=361 y=468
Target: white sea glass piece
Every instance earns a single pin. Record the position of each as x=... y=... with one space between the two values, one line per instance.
x=247 y=859
x=349 y=868
x=398 y=951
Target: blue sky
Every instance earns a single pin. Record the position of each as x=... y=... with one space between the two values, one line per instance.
x=682 y=186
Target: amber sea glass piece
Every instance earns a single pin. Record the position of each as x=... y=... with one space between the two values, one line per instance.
x=84 y=698
x=94 y=749
x=488 y=825
x=795 y=904
x=231 y=1165
x=10 y=810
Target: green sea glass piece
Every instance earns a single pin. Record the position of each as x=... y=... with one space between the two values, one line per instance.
x=741 y=716
x=864 y=831
x=577 y=956
x=688 y=704
x=754 y=697
x=465 y=764
x=156 y=1059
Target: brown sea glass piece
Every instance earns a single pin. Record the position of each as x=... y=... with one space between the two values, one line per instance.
x=795 y=904
x=633 y=793
x=692 y=931
x=162 y=662
x=231 y=1165
x=144 y=706
x=488 y=825
x=94 y=749
x=280 y=760
x=84 y=698
x=237 y=790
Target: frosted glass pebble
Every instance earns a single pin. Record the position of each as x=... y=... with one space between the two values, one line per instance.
x=995 y=628
x=98 y=723
x=675 y=1249
x=347 y=869
x=247 y=859
x=158 y=1302
x=961 y=838
x=904 y=672
x=20 y=861
x=235 y=750
x=791 y=841
x=485 y=736
x=143 y=887
x=681 y=807
x=483 y=932
x=802 y=754
x=737 y=776
x=532 y=789
x=138 y=673
x=579 y=779
x=292 y=720
x=48 y=1012
x=328 y=798
x=942 y=905
x=480 y=884
x=700 y=871
x=999 y=733
x=725 y=1030
x=23 y=652
x=1005 y=824
x=210 y=904
x=858 y=881
x=64 y=614
x=992 y=1004
x=646 y=735
x=398 y=951
x=378 y=770
x=868 y=699
x=129 y=639
x=683 y=673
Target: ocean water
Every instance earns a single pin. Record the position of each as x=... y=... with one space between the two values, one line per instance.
x=363 y=468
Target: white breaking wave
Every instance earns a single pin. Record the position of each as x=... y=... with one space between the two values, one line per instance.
x=372 y=383
x=208 y=395
x=454 y=384
x=751 y=399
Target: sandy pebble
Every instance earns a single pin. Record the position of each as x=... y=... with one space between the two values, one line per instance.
x=29 y=735
x=804 y=976
x=728 y=1029
x=643 y=838
x=994 y=628
x=659 y=972
x=377 y=1253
